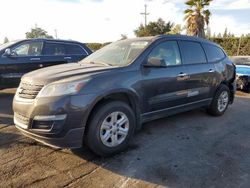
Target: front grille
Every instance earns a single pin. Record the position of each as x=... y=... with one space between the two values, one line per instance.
x=21 y=119
x=28 y=91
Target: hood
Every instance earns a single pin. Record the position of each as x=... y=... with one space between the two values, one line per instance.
x=64 y=71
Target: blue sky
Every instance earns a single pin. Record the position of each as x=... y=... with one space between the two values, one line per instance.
x=106 y=20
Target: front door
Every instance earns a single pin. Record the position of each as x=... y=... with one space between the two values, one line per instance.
x=25 y=57
x=164 y=87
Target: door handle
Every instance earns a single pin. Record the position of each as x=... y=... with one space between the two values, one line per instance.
x=35 y=59
x=211 y=70
x=67 y=58
x=182 y=74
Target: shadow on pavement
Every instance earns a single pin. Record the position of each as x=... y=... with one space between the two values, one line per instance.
x=6 y=112
x=191 y=149
x=8 y=138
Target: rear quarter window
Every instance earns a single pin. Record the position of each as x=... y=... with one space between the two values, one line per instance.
x=74 y=49
x=214 y=53
x=192 y=52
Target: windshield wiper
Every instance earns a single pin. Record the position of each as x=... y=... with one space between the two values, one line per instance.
x=101 y=63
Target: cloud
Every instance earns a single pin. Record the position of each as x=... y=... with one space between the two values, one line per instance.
x=104 y=20
x=230 y=4
x=66 y=1
x=75 y=1
x=219 y=23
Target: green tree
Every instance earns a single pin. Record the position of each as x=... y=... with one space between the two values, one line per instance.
x=231 y=45
x=123 y=36
x=197 y=17
x=176 y=29
x=219 y=35
x=94 y=46
x=225 y=34
x=159 y=27
x=5 y=40
x=37 y=32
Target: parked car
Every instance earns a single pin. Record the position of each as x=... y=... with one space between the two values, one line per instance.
x=20 y=57
x=103 y=99
x=242 y=72
x=243 y=77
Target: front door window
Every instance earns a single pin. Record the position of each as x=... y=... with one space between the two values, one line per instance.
x=29 y=49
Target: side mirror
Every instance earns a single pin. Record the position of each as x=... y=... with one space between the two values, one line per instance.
x=7 y=52
x=155 y=62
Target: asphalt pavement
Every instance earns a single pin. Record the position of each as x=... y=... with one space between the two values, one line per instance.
x=191 y=149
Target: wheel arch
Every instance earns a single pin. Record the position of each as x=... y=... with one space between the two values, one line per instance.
x=231 y=84
x=124 y=95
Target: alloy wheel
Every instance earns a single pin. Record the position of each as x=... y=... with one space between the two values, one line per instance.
x=114 y=129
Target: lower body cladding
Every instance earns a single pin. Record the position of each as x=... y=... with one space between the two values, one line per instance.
x=55 y=121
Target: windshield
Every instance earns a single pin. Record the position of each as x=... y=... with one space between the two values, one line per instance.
x=6 y=45
x=119 y=53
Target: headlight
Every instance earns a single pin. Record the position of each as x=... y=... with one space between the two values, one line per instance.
x=62 y=88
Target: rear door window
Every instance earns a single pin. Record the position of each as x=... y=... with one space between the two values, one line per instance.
x=192 y=52
x=214 y=53
x=54 y=49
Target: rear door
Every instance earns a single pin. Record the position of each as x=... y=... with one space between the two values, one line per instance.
x=201 y=73
x=54 y=53
x=215 y=57
x=25 y=57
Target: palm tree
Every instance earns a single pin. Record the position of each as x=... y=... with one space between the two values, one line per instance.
x=196 y=17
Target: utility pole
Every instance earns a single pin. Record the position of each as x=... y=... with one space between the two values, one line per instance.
x=145 y=14
x=238 y=50
x=56 y=33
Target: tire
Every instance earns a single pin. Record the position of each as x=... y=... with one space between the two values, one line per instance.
x=248 y=88
x=220 y=101
x=105 y=135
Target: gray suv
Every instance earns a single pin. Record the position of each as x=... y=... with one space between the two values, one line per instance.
x=103 y=99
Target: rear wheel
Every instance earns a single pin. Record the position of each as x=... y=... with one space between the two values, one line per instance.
x=220 y=101
x=110 y=129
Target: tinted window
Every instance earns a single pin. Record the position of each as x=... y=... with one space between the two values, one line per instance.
x=168 y=51
x=29 y=49
x=192 y=52
x=213 y=53
x=54 y=49
x=73 y=49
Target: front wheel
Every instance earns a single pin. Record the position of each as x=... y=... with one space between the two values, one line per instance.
x=220 y=101
x=111 y=127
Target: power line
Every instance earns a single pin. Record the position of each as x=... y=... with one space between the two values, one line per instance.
x=145 y=14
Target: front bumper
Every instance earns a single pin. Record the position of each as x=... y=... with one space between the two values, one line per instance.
x=54 y=121
x=73 y=139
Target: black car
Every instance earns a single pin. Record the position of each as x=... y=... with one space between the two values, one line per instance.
x=20 y=57
x=103 y=99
